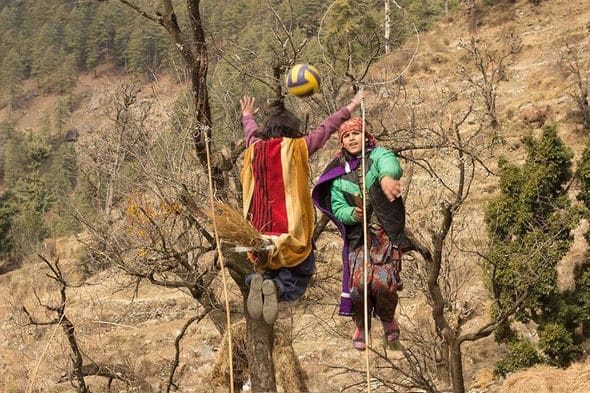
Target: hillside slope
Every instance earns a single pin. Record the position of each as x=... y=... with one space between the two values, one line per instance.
x=138 y=326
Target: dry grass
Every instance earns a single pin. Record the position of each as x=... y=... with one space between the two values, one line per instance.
x=545 y=379
x=234 y=229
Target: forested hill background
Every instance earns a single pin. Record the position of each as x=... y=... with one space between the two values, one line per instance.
x=109 y=277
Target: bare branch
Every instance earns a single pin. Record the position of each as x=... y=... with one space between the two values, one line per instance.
x=179 y=337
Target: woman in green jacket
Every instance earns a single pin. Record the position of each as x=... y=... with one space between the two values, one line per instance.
x=338 y=194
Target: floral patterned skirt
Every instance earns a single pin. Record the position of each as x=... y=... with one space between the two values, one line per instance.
x=382 y=278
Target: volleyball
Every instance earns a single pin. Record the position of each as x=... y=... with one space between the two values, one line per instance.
x=303 y=80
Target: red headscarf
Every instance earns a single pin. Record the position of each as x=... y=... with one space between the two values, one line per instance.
x=355 y=124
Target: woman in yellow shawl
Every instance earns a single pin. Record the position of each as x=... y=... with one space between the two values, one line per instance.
x=277 y=200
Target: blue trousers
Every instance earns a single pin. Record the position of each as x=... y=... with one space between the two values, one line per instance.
x=291 y=282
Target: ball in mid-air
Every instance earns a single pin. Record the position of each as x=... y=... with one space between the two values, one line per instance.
x=303 y=80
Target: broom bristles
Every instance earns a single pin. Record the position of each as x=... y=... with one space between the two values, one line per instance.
x=233 y=228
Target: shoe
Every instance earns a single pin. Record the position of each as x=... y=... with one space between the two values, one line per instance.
x=358 y=339
x=391 y=334
x=254 y=302
x=270 y=306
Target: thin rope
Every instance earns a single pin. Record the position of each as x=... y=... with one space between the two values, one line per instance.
x=365 y=244
x=222 y=265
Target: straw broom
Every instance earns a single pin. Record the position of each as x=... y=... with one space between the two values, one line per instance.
x=233 y=228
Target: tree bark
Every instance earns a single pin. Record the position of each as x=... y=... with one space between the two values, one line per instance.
x=260 y=347
x=387 y=26
x=456 y=366
x=197 y=61
x=433 y=266
x=261 y=336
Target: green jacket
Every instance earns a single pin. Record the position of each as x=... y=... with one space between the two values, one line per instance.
x=380 y=162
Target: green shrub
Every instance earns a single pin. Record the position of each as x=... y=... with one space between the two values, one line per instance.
x=521 y=354
x=557 y=343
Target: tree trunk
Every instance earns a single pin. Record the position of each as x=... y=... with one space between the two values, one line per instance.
x=443 y=368
x=387 y=34
x=197 y=62
x=260 y=346
x=472 y=9
x=456 y=366
x=260 y=336
x=433 y=267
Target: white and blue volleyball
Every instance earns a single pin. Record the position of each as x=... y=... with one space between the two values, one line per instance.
x=303 y=80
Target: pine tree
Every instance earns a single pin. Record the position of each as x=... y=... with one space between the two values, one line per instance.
x=102 y=30
x=580 y=294
x=76 y=32
x=8 y=211
x=351 y=37
x=146 y=49
x=13 y=155
x=11 y=77
x=529 y=225
x=59 y=181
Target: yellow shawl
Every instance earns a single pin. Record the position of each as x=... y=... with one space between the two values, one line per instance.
x=273 y=170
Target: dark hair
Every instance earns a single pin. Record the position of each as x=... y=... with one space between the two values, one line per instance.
x=280 y=123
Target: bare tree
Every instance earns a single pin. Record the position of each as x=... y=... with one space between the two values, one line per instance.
x=450 y=151
x=172 y=258
x=106 y=151
x=449 y=163
x=570 y=62
x=490 y=65
x=158 y=236
x=79 y=370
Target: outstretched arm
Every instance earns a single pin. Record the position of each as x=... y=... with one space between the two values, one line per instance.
x=318 y=137
x=355 y=103
x=248 y=105
x=249 y=109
